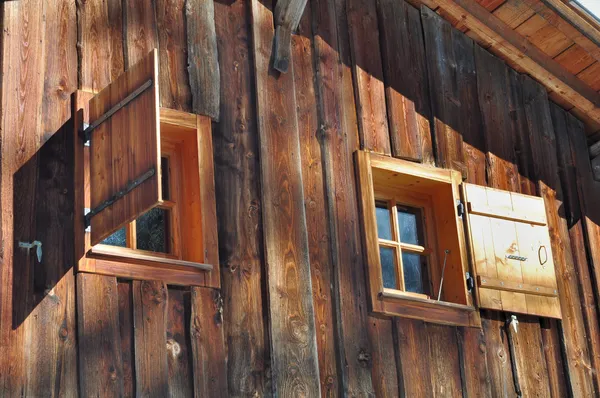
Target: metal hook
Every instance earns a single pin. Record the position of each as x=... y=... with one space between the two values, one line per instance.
x=37 y=244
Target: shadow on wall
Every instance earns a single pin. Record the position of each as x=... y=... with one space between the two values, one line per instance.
x=43 y=211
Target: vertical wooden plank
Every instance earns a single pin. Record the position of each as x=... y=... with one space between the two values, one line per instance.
x=203 y=59
x=209 y=355
x=173 y=79
x=546 y=170
x=444 y=361
x=314 y=198
x=100 y=366
x=181 y=381
x=551 y=342
x=412 y=357
x=125 y=300
x=339 y=139
x=472 y=349
x=493 y=92
x=368 y=76
x=140 y=35
x=573 y=215
x=60 y=68
x=99 y=43
x=149 y=334
x=385 y=374
x=498 y=354
x=406 y=86
x=293 y=335
x=240 y=231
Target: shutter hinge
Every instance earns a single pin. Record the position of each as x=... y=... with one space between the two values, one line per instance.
x=460 y=208
x=130 y=187
x=86 y=133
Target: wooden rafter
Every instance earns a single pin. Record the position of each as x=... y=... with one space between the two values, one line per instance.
x=522 y=52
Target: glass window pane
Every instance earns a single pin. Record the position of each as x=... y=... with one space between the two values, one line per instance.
x=409 y=225
x=152 y=231
x=164 y=169
x=384 y=228
x=388 y=266
x=118 y=238
x=415 y=273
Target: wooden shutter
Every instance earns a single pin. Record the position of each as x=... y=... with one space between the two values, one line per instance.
x=511 y=252
x=125 y=148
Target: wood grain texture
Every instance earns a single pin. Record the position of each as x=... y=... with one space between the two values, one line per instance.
x=572 y=214
x=314 y=198
x=293 y=339
x=100 y=360
x=406 y=85
x=172 y=47
x=179 y=350
x=412 y=355
x=547 y=170
x=208 y=345
x=99 y=43
x=368 y=76
x=125 y=302
x=203 y=57
x=240 y=230
x=339 y=139
x=124 y=148
x=150 y=338
x=287 y=16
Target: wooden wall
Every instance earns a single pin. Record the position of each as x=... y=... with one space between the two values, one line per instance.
x=291 y=316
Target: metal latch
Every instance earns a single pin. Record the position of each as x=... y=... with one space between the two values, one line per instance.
x=470 y=282
x=37 y=244
x=515 y=257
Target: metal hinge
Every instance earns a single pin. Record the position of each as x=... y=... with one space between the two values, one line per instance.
x=86 y=134
x=460 y=208
x=130 y=187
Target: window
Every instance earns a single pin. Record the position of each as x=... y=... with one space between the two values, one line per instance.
x=413 y=240
x=147 y=178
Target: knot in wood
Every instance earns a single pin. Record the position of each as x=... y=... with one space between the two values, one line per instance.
x=299 y=329
x=63 y=333
x=173 y=347
x=364 y=357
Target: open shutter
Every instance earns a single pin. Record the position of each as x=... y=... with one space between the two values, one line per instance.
x=125 y=149
x=511 y=252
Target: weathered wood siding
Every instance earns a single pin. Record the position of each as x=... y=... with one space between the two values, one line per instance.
x=291 y=316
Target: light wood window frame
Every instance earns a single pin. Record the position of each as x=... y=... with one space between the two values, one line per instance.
x=424 y=187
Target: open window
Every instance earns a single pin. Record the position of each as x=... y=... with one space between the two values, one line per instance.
x=417 y=245
x=146 y=181
x=414 y=242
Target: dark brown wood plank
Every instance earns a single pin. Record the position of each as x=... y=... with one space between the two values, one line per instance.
x=240 y=230
x=339 y=139
x=498 y=354
x=209 y=355
x=383 y=362
x=294 y=363
x=203 y=58
x=472 y=350
x=125 y=299
x=406 y=86
x=139 y=30
x=100 y=363
x=560 y=383
x=573 y=216
x=314 y=197
x=149 y=333
x=444 y=361
x=546 y=171
x=368 y=76
x=174 y=80
x=493 y=90
x=179 y=351
x=412 y=357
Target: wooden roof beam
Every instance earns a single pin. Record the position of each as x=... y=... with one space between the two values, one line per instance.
x=522 y=52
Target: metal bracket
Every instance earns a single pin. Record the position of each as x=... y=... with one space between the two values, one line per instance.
x=130 y=187
x=86 y=134
x=37 y=244
x=460 y=208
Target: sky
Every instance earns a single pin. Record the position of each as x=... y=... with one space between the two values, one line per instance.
x=593 y=6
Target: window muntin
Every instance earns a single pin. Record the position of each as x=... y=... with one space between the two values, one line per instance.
x=403 y=247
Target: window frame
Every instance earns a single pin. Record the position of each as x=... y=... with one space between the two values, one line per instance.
x=394 y=302
x=139 y=264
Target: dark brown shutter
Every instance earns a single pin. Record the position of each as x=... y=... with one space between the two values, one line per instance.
x=125 y=149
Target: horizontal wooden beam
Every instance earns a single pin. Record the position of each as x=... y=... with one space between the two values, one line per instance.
x=522 y=52
x=569 y=14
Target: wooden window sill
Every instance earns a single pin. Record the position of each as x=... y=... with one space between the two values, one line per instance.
x=139 y=257
x=397 y=303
